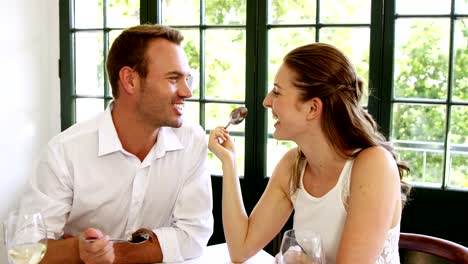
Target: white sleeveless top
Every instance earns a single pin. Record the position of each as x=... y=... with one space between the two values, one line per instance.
x=326 y=215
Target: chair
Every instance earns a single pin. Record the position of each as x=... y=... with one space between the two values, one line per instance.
x=422 y=249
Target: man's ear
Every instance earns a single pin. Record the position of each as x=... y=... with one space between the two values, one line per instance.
x=128 y=79
x=315 y=108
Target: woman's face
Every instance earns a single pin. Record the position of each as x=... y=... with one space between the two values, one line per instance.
x=287 y=110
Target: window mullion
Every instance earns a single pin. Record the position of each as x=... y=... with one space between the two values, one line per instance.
x=256 y=76
x=446 y=165
x=67 y=68
x=380 y=101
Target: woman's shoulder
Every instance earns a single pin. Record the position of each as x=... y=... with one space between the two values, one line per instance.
x=374 y=153
x=289 y=158
x=284 y=166
x=375 y=160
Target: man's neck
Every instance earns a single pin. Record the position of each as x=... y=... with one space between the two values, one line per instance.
x=135 y=136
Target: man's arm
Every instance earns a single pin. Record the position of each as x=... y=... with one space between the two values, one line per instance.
x=62 y=251
x=192 y=220
x=145 y=252
x=68 y=251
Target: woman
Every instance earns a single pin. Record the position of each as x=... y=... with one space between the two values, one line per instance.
x=343 y=179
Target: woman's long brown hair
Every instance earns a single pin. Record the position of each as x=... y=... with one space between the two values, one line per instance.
x=324 y=72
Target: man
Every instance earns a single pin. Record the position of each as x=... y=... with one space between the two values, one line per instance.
x=134 y=167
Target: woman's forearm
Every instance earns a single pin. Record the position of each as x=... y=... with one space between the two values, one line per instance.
x=235 y=219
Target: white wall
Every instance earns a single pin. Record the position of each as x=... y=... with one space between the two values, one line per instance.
x=29 y=92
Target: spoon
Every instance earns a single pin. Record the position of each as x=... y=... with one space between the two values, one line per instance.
x=135 y=238
x=237 y=116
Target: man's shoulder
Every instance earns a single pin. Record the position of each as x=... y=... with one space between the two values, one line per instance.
x=77 y=132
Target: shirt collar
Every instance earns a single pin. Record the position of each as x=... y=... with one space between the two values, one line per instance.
x=167 y=141
x=109 y=140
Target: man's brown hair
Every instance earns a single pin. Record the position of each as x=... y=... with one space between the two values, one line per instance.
x=129 y=49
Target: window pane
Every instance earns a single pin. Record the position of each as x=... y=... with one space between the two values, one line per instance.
x=218 y=115
x=423 y=6
x=181 y=12
x=192 y=112
x=191 y=45
x=458 y=169
x=291 y=11
x=276 y=150
x=461 y=7
x=87 y=108
x=419 y=123
x=232 y=12
x=280 y=42
x=460 y=92
x=215 y=163
x=355 y=43
x=123 y=13
x=225 y=64
x=459 y=126
x=426 y=165
x=345 y=11
x=459 y=147
x=89 y=63
x=418 y=132
x=421 y=58
x=88 y=14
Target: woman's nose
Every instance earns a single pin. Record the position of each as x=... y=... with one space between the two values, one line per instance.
x=267 y=102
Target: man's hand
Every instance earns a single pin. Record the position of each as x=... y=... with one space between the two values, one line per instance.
x=99 y=251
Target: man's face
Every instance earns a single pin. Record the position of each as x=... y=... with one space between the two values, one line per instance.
x=163 y=91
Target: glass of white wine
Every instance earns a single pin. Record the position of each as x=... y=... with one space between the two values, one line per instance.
x=301 y=247
x=25 y=237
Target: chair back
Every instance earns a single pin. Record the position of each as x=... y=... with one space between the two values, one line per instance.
x=422 y=249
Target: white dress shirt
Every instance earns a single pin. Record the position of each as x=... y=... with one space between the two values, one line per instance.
x=86 y=179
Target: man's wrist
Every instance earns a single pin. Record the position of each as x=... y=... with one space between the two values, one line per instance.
x=148 y=251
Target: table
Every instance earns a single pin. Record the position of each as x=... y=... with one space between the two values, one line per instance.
x=219 y=254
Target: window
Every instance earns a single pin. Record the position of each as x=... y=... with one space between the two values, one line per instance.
x=413 y=58
x=429 y=123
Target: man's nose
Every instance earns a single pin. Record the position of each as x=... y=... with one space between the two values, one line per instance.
x=185 y=90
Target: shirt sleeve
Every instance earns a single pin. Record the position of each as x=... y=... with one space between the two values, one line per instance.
x=50 y=192
x=193 y=219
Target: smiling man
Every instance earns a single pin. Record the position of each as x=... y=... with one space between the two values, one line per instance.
x=137 y=167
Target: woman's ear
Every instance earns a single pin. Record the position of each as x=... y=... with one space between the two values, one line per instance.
x=127 y=77
x=315 y=108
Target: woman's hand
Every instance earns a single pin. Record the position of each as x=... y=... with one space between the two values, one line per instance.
x=220 y=143
x=294 y=255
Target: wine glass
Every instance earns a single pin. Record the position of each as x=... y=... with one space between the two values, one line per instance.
x=25 y=237
x=301 y=247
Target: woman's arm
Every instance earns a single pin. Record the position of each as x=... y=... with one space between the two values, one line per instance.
x=374 y=206
x=247 y=235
